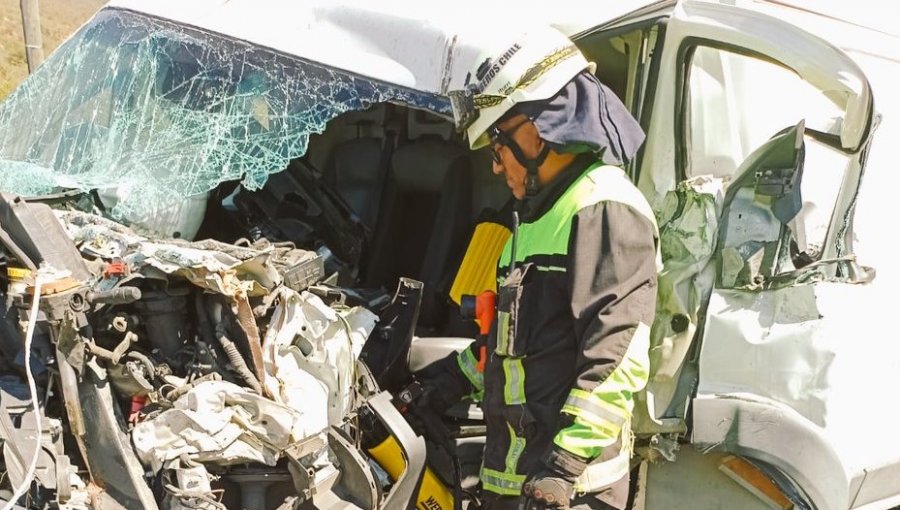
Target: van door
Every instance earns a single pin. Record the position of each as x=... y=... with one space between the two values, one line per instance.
x=755 y=152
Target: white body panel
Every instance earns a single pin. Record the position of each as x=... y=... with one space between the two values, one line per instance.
x=405 y=42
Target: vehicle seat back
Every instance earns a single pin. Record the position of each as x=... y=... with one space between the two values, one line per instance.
x=357 y=167
x=426 y=214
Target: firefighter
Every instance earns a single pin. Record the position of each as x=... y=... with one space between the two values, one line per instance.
x=576 y=282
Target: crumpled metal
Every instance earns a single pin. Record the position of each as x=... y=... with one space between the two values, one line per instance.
x=688 y=220
x=218 y=267
x=220 y=422
x=311 y=350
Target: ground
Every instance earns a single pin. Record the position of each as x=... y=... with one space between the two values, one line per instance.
x=59 y=18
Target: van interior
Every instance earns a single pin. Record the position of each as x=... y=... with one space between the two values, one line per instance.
x=392 y=192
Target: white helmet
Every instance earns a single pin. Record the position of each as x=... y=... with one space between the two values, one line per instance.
x=529 y=66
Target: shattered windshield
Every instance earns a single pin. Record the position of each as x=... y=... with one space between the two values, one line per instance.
x=160 y=112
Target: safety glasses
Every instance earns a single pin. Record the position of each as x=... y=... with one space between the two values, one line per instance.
x=499 y=138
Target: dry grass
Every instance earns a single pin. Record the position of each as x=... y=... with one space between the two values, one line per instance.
x=59 y=18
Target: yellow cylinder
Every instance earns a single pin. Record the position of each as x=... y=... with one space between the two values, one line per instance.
x=433 y=494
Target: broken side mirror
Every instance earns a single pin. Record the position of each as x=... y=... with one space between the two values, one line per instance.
x=754 y=237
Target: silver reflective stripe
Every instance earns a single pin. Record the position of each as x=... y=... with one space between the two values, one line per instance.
x=516 y=447
x=592 y=407
x=502 y=333
x=603 y=474
x=469 y=366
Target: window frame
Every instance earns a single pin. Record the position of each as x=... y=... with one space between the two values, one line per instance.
x=646 y=80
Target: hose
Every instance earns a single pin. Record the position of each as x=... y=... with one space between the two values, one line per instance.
x=181 y=390
x=29 y=336
x=145 y=361
x=237 y=361
x=231 y=350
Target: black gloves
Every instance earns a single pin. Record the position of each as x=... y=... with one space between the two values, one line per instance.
x=547 y=490
x=428 y=394
x=553 y=486
x=442 y=384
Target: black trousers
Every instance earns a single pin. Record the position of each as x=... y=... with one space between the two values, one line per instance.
x=586 y=502
x=614 y=497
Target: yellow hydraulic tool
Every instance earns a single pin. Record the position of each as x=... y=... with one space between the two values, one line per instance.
x=383 y=447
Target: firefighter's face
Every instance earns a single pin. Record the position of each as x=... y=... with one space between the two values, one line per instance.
x=523 y=132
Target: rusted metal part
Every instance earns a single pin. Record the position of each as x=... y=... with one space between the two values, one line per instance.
x=244 y=312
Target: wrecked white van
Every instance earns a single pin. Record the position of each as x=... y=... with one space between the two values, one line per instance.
x=310 y=146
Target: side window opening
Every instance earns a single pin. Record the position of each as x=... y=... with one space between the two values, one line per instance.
x=736 y=103
x=623 y=63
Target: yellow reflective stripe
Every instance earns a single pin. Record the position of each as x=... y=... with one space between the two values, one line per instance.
x=632 y=373
x=584 y=440
x=516 y=447
x=502 y=332
x=501 y=483
x=507 y=482
x=469 y=367
x=514 y=381
x=603 y=428
x=549 y=235
x=613 y=397
x=599 y=475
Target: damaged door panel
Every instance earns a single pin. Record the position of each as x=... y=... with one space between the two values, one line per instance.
x=753 y=331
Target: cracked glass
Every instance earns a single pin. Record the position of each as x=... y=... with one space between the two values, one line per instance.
x=159 y=112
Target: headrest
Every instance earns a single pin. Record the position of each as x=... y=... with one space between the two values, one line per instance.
x=375 y=114
x=423 y=165
x=420 y=124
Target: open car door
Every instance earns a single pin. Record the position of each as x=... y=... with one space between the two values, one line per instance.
x=756 y=148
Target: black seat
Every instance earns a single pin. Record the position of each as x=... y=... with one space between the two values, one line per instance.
x=357 y=167
x=425 y=216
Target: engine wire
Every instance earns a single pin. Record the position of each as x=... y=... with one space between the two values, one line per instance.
x=29 y=336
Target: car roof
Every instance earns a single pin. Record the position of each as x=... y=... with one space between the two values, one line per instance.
x=404 y=42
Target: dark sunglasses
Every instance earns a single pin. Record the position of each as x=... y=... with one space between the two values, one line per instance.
x=501 y=138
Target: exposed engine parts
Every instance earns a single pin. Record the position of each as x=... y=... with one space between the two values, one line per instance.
x=183 y=375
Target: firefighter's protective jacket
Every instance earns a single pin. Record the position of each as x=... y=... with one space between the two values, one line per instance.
x=570 y=345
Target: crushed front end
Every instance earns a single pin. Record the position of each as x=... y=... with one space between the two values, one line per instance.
x=173 y=374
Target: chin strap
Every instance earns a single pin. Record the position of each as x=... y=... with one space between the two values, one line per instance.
x=531 y=179
x=531 y=164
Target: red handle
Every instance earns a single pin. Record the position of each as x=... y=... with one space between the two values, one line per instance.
x=482 y=359
x=485 y=313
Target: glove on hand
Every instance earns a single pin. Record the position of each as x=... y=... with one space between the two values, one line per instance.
x=547 y=490
x=425 y=394
x=553 y=486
